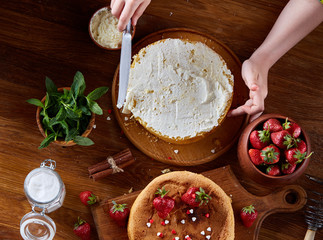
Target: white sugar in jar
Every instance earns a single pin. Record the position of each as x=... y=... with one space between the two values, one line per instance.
x=45 y=192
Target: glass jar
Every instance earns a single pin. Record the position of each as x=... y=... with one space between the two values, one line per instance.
x=45 y=192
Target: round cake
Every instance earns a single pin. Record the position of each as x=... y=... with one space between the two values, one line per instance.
x=179 y=90
x=214 y=220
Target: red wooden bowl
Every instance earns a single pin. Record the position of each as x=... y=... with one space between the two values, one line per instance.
x=251 y=171
x=98 y=44
x=62 y=142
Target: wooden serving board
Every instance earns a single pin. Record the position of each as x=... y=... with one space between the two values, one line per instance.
x=275 y=202
x=208 y=148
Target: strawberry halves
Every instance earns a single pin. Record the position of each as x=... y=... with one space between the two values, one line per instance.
x=163 y=204
x=195 y=197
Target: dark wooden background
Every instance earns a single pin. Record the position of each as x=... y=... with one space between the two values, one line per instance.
x=50 y=38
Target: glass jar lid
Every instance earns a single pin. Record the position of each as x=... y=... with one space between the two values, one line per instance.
x=43 y=185
x=37 y=226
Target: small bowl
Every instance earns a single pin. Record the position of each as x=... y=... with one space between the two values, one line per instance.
x=251 y=171
x=95 y=41
x=62 y=142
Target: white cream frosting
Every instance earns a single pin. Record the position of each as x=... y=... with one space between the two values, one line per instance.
x=178 y=88
x=104 y=29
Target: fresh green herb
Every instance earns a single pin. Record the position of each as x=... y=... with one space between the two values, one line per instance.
x=66 y=114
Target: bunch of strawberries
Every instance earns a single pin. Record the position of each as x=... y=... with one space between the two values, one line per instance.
x=278 y=147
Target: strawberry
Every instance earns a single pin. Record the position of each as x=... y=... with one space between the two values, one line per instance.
x=82 y=229
x=301 y=146
x=163 y=204
x=119 y=213
x=273 y=170
x=273 y=125
x=255 y=157
x=259 y=139
x=288 y=168
x=295 y=156
x=195 y=197
x=87 y=198
x=293 y=128
x=270 y=154
x=283 y=139
x=248 y=215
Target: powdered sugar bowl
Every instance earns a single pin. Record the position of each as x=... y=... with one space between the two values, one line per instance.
x=45 y=192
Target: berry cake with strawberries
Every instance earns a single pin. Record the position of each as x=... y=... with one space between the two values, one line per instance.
x=181 y=205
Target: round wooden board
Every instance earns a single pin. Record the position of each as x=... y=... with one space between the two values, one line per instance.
x=206 y=149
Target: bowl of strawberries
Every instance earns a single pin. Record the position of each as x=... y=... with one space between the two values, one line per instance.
x=274 y=149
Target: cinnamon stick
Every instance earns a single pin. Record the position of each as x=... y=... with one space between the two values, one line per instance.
x=107 y=172
x=104 y=168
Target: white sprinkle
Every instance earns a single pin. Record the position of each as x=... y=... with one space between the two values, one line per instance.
x=126 y=118
x=158 y=234
x=187 y=236
x=176 y=151
x=183 y=221
x=176 y=238
x=208 y=236
x=108 y=118
x=193 y=219
x=213 y=151
x=171 y=13
x=203 y=233
x=230 y=195
x=148 y=224
x=166 y=222
x=191 y=211
x=94 y=126
x=209 y=229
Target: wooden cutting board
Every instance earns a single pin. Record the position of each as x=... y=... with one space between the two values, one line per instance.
x=206 y=149
x=290 y=198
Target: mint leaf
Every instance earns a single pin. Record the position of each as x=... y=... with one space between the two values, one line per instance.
x=95 y=108
x=47 y=141
x=71 y=134
x=46 y=100
x=78 y=85
x=97 y=93
x=35 y=102
x=50 y=86
x=61 y=115
x=83 y=141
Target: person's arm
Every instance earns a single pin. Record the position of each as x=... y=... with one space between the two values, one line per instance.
x=126 y=9
x=298 y=18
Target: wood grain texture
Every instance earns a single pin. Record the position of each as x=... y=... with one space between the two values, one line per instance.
x=224 y=177
x=50 y=38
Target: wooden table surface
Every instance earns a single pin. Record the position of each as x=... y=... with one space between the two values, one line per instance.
x=50 y=38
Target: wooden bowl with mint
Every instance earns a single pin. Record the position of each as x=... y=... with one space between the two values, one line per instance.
x=65 y=116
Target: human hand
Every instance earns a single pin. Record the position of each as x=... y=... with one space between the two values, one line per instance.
x=254 y=74
x=126 y=9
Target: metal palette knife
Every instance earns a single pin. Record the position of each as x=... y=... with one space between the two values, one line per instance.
x=125 y=60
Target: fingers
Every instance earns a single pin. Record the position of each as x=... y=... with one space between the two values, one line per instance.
x=140 y=10
x=112 y=3
x=255 y=116
x=127 y=13
x=117 y=8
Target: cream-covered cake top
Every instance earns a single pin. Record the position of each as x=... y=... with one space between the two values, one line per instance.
x=178 y=88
